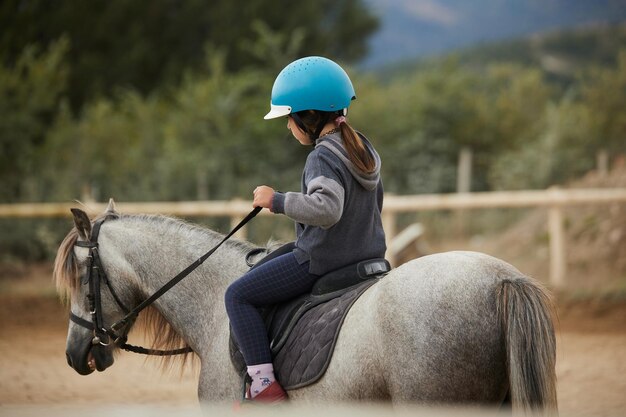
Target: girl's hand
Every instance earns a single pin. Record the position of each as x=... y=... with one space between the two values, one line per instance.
x=263 y=196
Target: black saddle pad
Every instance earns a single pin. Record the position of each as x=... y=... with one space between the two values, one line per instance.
x=304 y=352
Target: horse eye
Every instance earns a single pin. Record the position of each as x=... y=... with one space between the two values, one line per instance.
x=84 y=278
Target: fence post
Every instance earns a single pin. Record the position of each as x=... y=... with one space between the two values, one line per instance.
x=242 y=233
x=558 y=264
x=389 y=226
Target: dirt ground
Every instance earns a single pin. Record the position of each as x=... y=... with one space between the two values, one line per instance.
x=591 y=365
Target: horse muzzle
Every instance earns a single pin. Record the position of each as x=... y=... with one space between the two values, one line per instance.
x=94 y=357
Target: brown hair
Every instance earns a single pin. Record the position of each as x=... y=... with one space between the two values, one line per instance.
x=312 y=122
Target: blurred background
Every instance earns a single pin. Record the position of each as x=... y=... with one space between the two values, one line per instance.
x=163 y=100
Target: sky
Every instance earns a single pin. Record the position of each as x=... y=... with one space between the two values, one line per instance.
x=418 y=28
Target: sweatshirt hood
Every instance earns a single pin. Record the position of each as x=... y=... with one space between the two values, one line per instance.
x=335 y=144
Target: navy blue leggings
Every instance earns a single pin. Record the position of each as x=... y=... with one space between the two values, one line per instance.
x=279 y=279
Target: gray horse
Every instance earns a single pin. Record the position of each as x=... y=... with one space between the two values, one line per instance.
x=450 y=328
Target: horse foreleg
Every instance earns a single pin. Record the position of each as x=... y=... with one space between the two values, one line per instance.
x=218 y=383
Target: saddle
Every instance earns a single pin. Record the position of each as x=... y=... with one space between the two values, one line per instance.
x=303 y=331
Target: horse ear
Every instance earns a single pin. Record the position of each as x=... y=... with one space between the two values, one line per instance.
x=111 y=207
x=82 y=223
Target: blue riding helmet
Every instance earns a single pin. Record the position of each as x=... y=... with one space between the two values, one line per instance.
x=311 y=83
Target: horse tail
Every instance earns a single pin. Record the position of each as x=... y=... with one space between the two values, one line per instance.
x=525 y=311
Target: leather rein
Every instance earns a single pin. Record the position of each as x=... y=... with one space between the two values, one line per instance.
x=96 y=275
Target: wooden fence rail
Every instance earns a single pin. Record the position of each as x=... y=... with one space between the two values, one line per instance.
x=553 y=199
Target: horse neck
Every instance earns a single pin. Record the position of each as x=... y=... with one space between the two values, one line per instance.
x=156 y=252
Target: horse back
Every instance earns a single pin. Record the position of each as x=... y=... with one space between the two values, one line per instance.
x=429 y=331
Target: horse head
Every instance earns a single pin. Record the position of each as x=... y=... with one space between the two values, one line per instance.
x=97 y=294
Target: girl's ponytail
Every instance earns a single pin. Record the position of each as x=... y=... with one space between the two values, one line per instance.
x=357 y=151
x=313 y=121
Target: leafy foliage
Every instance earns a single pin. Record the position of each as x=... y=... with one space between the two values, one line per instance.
x=604 y=93
x=204 y=137
x=147 y=44
x=30 y=92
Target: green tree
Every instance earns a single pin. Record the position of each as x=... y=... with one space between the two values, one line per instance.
x=146 y=44
x=604 y=94
x=423 y=120
x=205 y=139
x=518 y=98
x=552 y=155
x=30 y=93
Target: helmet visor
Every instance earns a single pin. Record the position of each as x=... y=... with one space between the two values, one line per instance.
x=277 y=111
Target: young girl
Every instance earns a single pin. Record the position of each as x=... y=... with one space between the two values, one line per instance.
x=337 y=213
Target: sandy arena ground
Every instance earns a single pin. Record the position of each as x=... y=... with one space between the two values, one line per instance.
x=591 y=364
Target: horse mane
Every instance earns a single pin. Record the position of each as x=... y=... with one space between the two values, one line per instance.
x=65 y=272
x=160 y=334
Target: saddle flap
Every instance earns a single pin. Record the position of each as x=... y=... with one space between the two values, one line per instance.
x=308 y=346
x=303 y=331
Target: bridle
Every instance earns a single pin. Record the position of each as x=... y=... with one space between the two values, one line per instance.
x=95 y=276
x=105 y=336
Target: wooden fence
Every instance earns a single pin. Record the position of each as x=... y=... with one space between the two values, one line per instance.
x=553 y=199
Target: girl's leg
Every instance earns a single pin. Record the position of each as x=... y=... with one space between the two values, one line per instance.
x=278 y=280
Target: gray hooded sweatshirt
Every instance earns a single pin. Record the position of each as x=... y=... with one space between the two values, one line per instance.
x=337 y=214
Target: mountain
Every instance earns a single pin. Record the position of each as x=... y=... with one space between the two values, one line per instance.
x=561 y=54
x=420 y=28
